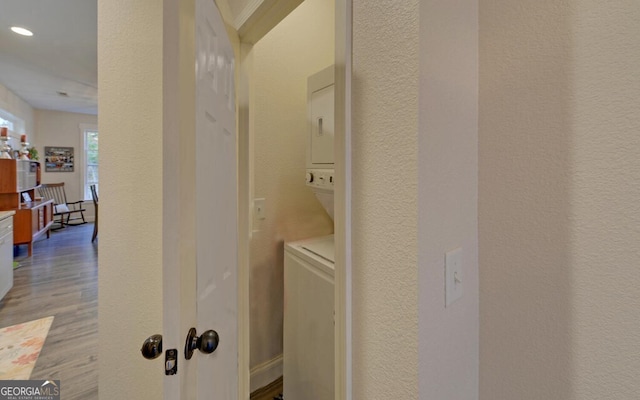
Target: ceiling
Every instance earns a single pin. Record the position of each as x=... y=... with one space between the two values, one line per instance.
x=60 y=57
x=56 y=68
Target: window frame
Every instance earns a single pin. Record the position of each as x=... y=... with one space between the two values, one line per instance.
x=16 y=125
x=84 y=130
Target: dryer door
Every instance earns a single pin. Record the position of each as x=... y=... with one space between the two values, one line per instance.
x=322 y=126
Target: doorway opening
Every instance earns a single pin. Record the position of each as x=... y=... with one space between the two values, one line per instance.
x=341 y=36
x=284 y=208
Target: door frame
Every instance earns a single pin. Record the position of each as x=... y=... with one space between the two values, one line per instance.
x=342 y=198
x=342 y=191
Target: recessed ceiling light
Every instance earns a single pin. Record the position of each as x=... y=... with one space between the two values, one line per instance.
x=21 y=31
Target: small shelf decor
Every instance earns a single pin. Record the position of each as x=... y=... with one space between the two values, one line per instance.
x=24 y=151
x=5 y=149
x=33 y=154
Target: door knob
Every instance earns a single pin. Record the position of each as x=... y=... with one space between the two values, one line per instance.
x=206 y=343
x=152 y=347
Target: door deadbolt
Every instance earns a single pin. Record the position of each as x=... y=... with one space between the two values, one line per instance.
x=152 y=347
x=206 y=343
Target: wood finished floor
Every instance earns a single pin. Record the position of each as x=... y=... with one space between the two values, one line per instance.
x=61 y=279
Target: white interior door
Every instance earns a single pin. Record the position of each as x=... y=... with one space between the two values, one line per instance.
x=216 y=205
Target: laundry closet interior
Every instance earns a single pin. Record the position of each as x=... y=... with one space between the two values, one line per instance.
x=291 y=156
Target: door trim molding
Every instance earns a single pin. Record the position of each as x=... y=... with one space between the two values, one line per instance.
x=245 y=195
x=342 y=198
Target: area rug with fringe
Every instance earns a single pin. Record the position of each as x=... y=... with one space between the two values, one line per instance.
x=20 y=347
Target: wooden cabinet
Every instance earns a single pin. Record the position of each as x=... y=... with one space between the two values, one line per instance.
x=32 y=218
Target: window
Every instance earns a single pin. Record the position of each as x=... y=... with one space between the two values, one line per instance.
x=90 y=159
x=13 y=123
x=6 y=123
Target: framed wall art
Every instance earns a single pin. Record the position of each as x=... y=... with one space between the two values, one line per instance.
x=58 y=159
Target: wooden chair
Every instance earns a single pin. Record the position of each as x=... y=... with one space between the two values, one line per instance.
x=62 y=208
x=94 y=196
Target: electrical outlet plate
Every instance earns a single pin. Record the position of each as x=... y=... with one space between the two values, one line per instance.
x=453 y=276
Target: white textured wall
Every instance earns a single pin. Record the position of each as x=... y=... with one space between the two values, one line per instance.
x=130 y=241
x=559 y=210
x=448 y=197
x=57 y=128
x=384 y=219
x=301 y=45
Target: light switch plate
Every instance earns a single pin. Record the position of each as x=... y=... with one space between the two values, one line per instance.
x=259 y=208
x=453 y=276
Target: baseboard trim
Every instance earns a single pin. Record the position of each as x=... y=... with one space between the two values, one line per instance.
x=266 y=373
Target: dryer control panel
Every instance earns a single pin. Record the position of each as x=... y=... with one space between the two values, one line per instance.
x=320 y=178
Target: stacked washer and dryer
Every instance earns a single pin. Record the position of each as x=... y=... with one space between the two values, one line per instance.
x=308 y=354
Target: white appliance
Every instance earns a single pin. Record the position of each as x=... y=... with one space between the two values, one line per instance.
x=308 y=354
x=320 y=135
